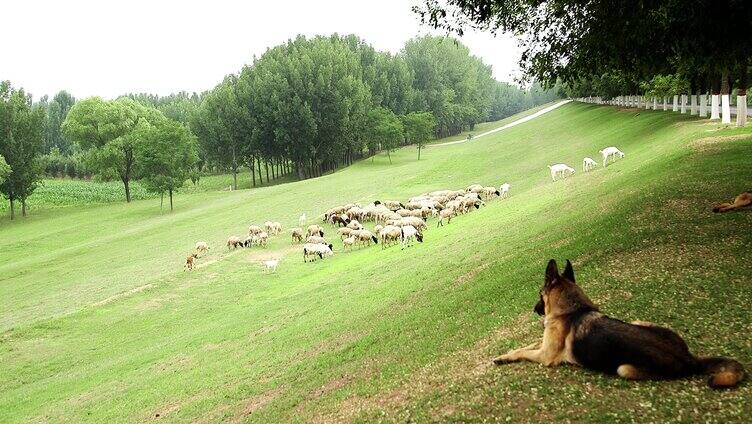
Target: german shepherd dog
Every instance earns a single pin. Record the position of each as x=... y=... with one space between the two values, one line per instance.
x=577 y=333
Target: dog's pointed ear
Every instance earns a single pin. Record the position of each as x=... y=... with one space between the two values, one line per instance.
x=569 y=272
x=552 y=272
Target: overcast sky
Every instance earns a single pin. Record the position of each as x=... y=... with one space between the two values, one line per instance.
x=108 y=48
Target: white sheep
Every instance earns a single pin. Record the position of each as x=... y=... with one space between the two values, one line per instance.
x=414 y=221
x=588 y=164
x=348 y=242
x=389 y=234
x=302 y=220
x=560 y=169
x=254 y=229
x=297 y=235
x=610 y=152
x=365 y=237
x=377 y=228
x=316 y=240
x=320 y=250
x=233 y=242
x=260 y=239
x=201 y=246
x=344 y=232
x=448 y=214
x=409 y=233
x=490 y=191
x=504 y=189
x=355 y=225
x=315 y=229
x=475 y=188
x=271 y=265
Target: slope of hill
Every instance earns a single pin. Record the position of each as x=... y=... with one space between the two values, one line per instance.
x=99 y=322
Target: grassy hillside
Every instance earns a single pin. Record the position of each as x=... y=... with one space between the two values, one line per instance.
x=99 y=323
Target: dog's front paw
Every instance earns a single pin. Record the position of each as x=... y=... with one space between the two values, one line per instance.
x=503 y=359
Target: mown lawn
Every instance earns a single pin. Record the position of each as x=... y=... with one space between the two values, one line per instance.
x=98 y=322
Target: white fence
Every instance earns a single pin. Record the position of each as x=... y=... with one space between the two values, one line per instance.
x=719 y=105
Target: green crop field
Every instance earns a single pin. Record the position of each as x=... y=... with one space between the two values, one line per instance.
x=99 y=322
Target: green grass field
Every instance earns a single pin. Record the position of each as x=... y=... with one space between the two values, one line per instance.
x=99 y=323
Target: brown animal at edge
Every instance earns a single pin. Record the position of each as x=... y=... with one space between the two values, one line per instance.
x=743 y=200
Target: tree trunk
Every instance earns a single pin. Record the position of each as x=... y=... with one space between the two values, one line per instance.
x=693 y=104
x=389 y=155
x=665 y=103
x=703 y=105
x=127 y=184
x=161 y=200
x=418 y=151
x=725 y=99
x=655 y=103
x=170 y=200
x=715 y=100
x=23 y=207
x=266 y=167
x=683 y=108
x=675 y=104
x=258 y=169
x=253 y=174
x=12 y=210
x=741 y=96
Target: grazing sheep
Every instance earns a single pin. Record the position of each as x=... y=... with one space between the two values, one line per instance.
x=201 y=246
x=365 y=237
x=355 y=225
x=475 y=188
x=447 y=214
x=610 y=152
x=344 y=232
x=320 y=250
x=297 y=235
x=250 y=241
x=414 y=221
x=504 y=189
x=389 y=234
x=276 y=228
x=316 y=240
x=348 y=242
x=560 y=169
x=302 y=220
x=393 y=205
x=409 y=233
x=340 y=220
x=471 y=202
x=490 y=191
x=271 y=265
x=234 y=242
x=588 y=164
x=190 y=260
x=377 y=228
x=254 y=229
x=262 y=238
x=314 y=229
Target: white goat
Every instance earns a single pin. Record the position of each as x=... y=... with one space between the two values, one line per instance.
x=588 y=164
x=560 y=169
x=504 y=189
x=271 y=265
x=610 y=152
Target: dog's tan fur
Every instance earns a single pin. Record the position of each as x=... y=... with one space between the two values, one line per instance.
x=575 y=332
x=743 y=200
x=190 y=260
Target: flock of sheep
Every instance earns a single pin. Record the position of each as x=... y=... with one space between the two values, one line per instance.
x=563 y=170
x=393 y=221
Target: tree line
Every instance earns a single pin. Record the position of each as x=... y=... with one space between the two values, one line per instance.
x=302 y=108
x=608 y=48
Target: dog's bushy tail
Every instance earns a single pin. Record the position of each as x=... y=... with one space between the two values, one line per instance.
x=724 y=372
